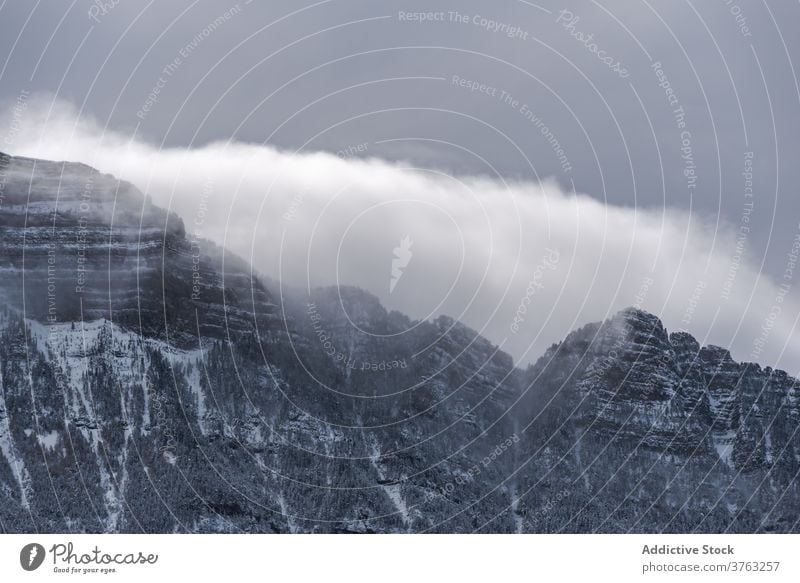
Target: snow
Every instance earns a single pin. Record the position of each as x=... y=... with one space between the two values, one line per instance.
x=518 y=522
x=193 y=360
x=70 y=346
x=576 y=448
x=723 y=443
x=9 y=451
x=49 y=440
x=768 y=445
x=392 y=490
x=285 y=511
x=71 y=349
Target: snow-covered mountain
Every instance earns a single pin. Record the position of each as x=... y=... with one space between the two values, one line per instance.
x=150 y=382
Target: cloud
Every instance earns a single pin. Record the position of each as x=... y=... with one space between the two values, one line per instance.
x=524 y=263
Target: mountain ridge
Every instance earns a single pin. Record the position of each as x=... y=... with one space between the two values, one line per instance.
x=238 y=410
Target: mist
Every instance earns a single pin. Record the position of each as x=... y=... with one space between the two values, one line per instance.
x=522 y=262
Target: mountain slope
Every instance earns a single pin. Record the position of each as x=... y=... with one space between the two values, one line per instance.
x=152 y=383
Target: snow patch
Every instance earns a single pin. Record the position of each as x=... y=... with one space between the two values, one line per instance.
x=49 y=441
x=723 y=443
x=518 y=522
x=289 y=518
x=393 y=491
x=9 y=451
x=767 y=445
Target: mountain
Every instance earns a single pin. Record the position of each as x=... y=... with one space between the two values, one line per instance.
x=86 y=246
x=152 y=382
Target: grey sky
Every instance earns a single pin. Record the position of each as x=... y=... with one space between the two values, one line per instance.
x=335 y=75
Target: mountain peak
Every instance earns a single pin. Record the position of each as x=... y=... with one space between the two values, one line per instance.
x=639 y=319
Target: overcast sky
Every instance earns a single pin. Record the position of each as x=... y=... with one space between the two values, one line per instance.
x=656 y=108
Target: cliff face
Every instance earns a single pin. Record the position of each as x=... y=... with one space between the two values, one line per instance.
x=164 y=391
x=78 y=244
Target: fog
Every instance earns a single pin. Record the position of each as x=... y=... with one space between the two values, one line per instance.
x=522 y=262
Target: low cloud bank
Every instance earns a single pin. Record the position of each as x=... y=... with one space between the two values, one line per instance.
x=522 y=262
